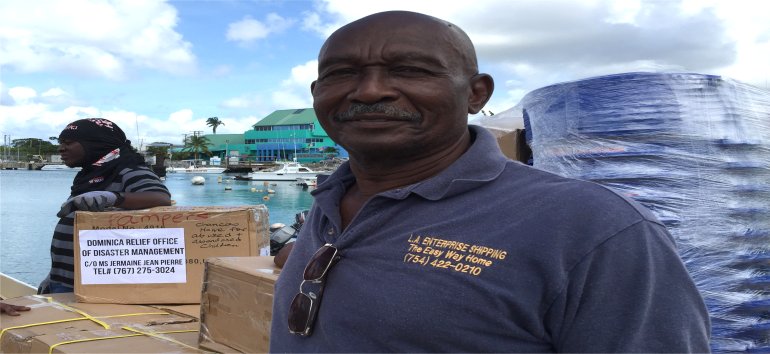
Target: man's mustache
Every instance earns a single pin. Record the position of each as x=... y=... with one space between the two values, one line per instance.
x=379 y=108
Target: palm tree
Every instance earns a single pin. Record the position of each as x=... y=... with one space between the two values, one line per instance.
x=197 y=144
x=214 y=122
x=159 y=151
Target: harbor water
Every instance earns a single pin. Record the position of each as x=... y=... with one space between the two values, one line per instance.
x=30 y=199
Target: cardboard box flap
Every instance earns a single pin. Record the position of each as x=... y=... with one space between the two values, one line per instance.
x=193 y=311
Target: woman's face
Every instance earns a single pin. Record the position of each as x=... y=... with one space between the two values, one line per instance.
x=72 y=153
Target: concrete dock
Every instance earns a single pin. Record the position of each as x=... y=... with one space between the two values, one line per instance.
x=21 y=165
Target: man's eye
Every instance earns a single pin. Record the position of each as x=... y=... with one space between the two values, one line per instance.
x=410 y=70
x=338 y=73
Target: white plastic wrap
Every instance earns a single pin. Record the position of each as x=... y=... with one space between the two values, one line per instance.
x=694 y=149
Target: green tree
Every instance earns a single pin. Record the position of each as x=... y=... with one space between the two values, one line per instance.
x=34 y=146
x=198 y=145
x=331 y=152
x=214 y=122
x=158 y=151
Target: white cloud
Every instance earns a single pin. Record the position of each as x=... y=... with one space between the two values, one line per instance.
x=237 y=125
x=34 y=116
x=54 y=92
x=92 y=38
x=22 y=95
x=249 y=30
x=246 y=30
x=245 y=101
x=302 y=76
x=295 y=90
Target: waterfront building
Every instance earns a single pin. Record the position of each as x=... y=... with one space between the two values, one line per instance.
x=282 y=135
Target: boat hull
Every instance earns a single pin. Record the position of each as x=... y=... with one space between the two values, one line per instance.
x=56 y=167
x=210 y=170
x=269 y=176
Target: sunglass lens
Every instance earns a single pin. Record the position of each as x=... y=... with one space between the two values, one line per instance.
x=320 y=263
x=299 y=313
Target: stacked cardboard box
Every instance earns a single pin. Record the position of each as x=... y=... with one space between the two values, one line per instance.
x=512 y=144
x=156 y=256
x=58 y=324
x=237 y=304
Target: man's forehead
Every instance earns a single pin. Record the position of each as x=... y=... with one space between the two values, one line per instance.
x=391 y=24
x=400 y=43
x=399 y=34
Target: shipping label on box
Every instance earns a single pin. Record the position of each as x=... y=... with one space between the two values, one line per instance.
x=57 y=324
x=237 y=304
x=156 y=256
x=132 y=256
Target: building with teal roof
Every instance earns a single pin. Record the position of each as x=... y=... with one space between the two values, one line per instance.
x=282 y=135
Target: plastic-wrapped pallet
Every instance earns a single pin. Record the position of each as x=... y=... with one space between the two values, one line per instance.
x=694 y=149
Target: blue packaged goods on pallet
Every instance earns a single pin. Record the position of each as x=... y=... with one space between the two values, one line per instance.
x=694 y=149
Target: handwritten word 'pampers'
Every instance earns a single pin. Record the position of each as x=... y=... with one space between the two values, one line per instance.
x=145 y=220
x=446 y=254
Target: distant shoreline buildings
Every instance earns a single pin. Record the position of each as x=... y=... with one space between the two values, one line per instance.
x=282 y=135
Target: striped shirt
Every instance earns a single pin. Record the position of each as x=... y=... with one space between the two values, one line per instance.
x=131 y=180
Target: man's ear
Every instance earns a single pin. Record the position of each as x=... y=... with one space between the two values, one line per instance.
x=312 y=87
x=482 y=86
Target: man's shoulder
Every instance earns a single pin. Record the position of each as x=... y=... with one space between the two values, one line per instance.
x=570 y=194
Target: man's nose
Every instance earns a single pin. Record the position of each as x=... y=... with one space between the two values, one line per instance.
x=373 y=85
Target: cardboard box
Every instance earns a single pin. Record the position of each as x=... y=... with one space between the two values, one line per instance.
x=513 y=144
x=157 y=256
x=237 y=304
x=58 y=324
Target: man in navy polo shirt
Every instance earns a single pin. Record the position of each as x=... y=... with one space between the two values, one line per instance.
x=430 y=240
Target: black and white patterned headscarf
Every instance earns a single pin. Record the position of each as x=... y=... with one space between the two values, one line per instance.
x=106 y=153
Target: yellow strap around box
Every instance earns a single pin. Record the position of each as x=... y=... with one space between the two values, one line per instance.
x=82 y=313
x=135 y=333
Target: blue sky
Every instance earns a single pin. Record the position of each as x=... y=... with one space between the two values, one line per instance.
x=160 y=68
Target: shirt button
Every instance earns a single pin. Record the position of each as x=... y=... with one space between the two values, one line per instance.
x=331 y=231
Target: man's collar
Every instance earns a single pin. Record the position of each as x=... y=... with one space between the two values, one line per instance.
x=482 y=163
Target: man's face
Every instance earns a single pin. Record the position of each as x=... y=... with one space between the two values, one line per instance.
x=414 y=75
x=72 y=153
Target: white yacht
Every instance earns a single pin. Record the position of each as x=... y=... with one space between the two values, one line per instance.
x=59 y=167
x=197 y=169
x=287 y=171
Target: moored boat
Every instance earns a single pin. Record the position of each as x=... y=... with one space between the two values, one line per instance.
x=59 y=167
x=197 y=169
x=306 y=182
x=286 y=171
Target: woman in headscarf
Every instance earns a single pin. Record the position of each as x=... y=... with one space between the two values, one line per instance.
x=113 y=175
